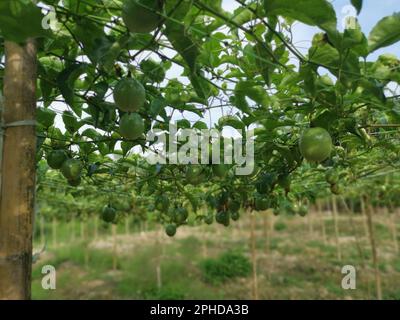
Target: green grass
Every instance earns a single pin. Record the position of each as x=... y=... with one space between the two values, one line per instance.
x=297 y=265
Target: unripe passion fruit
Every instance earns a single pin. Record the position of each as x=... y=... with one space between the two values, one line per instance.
x=71 y=169
x=332 y=177
x=141 y=16
x=129 y=95
x=131 y=126
x=108 y=214
x=170 y=230
x=56 y=158
x=315 y=144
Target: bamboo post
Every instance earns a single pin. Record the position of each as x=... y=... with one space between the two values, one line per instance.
x=253 y=256
x=115 y=247
x=54 y=233
x=158 y=258
x=85 y=232
x=96 y=227
x=73 y=229
x=127 y=231
x=322 y=221
x=394 y=232
x=393 y=227
x=42 y=236
x=374 y=252
x=266 y=232
x=336 y=226
x=310 y=224
x=18 y=170
x=364 y=217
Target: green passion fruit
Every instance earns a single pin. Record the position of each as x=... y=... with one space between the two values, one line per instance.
x=170 y=230
x=332 y=177
x=235 y=215
x=220 y=170
x=336 y=189
x=209 y=219
x=141 y=16
x=75 y=183
x=108 y=214
x=131 y=126
x=162 y=203
x=153 y=70
x=71 y=169
x=56 y=158
x=181 y=214
x=315 y=144
x=222 y=217
x=194 y=174
x=302 y=210
x=129 y=95
x=261 y=203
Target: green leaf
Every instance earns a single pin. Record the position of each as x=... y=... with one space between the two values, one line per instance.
x=65 y=82
x=357 y=4
x=231 y=121
x=312 y=12
x=21 y=19
x=178 y=34
x=45 y=116
x=385 y=33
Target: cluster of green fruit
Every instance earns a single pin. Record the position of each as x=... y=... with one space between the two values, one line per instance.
x=227 y=208
x=332 y=177
x=176 y=216
x=291 y=208
x=70 y=168
x=129 y=96
x=196 y=174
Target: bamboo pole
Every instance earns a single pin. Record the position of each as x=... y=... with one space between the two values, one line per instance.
x=54 y=232
x=96 y=227
x=378 y=285
x=322 y=221
x=18 y=170
x=42 y=236
x=115 y=247
x=253 y=256
x=266 y=232
x=127 y=231
x=336 y=226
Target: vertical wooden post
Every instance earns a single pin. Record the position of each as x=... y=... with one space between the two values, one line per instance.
x=374 y=252
x=364 y=217
x=114 y=250
x=96 y=227
x=336 y=226
x=18 y=169
x=127 y=231
x=253 y=256
x=73 y=229
x=322 y=220
x=266 y=232
x=54 y=232
x=394 y=231
x=42 y=236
